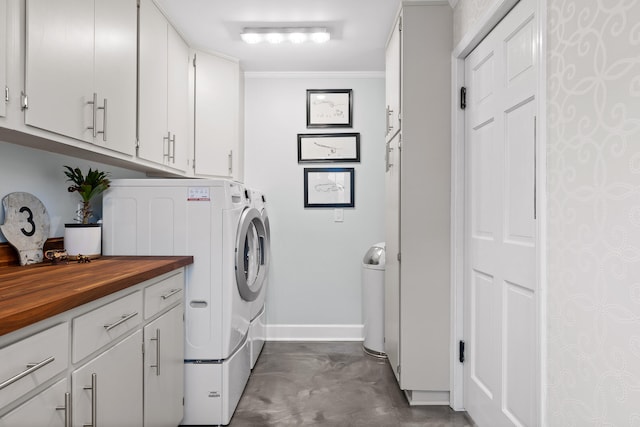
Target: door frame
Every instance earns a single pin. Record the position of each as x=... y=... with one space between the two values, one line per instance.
x=474 y=36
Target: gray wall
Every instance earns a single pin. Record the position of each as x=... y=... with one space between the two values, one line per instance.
x=41 y=174
x=314 y=281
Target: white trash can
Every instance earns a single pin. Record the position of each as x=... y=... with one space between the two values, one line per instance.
x=373 y=266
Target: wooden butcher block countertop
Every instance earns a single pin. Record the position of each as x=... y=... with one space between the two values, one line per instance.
x=33 y=293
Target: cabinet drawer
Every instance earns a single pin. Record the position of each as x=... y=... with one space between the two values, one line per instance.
x=30 y=362
x=98 y=327
x=163 y=294
x=41 y=410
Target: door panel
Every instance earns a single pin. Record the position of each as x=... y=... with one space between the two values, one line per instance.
x=392 y=267
x=501 y=372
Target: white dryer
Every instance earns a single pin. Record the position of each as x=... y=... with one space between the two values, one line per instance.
x=213 y=221
x=257 y=326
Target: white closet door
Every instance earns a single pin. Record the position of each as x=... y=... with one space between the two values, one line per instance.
x=178 y=98
x=501 y=319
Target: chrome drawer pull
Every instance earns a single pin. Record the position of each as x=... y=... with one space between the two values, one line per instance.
x=123 y=319
x=31 y=368
x=171 y=293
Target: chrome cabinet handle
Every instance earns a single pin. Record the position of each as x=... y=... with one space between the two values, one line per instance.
x=157 y=340
x=165 y=153
x=67 y=409
x=388 y=157
x=94 y=400
x=172 y=145
x=104 y=121
x=389 y=125
x=535 y=167
x=31 y=368
x=171 y=293
x=123 y=319
x=94 y=114
x=231 y=162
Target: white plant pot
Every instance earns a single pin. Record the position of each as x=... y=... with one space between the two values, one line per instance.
x=83 y=239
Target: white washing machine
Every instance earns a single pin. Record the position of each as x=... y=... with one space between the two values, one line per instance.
x=213 y=221
x=257 y=326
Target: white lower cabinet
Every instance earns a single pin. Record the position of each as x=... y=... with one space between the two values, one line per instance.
x=49 y=408
x=107 y=391
x=163 y=369
x=127 y=367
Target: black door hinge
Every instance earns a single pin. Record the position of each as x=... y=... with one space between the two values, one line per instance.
x=463 y=97
x=461 y=351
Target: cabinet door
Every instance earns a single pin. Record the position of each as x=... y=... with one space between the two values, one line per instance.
x=108 y=388
x=164 y=369
x=392 y=269
x=152 y=113
x=393 y=80
x=178 y=99
x=59 y=66
x=115 y=73
x=217 y=115
x=45 y=409
x=3 y=56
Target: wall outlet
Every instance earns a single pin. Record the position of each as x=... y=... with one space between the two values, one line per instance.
x=338 y=215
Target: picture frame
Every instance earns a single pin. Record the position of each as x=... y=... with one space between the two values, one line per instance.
x=329 y=108
x=329 y=187
x=329 y=148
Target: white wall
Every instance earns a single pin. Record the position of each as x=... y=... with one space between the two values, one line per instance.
x=42 y=174
x=593 y=156
x=315 y=265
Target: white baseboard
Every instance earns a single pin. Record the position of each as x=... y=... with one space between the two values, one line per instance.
x=315 y=333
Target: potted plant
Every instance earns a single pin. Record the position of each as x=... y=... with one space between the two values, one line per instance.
x=83 y=237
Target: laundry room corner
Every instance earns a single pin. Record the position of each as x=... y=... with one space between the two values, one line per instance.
x=314 y=278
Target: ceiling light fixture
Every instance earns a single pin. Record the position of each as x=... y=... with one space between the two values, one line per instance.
x=294 y=35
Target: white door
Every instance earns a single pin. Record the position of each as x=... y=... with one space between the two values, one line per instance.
x=107 y=391
x=501 y=318
x=46 y=409
x=393 y=69
x=163 y=369
x=216 y=115
x=177 y=99
x=3 y=56
x=392 y=269
x=116 y=32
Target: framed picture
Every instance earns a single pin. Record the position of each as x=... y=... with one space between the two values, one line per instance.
x=329 y=108
x=329 y=188
x=329 y=147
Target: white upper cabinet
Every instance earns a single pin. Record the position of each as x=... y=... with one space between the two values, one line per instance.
x=392 y=80
x=3 y=58
x=218 y=116
x=163 y=113
x=80 y=72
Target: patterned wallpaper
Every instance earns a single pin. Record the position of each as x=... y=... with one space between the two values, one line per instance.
x=594 y=212
x=593 y=155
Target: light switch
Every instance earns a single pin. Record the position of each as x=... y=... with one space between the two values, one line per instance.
x=338 y=215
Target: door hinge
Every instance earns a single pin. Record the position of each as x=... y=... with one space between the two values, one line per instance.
x=143 y=349
x=194 y=60
x=399 y=257
x=461 y=351
x=24 y=101
x=463 y=98
x=398 y=369
x=400 y=23
x=6 y=94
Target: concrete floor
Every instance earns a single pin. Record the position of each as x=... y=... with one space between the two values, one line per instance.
x=330 y=384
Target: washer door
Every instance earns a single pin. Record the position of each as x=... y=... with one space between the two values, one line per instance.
x=251 y=254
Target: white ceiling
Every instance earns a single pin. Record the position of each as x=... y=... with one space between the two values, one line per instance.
x=359 y=31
